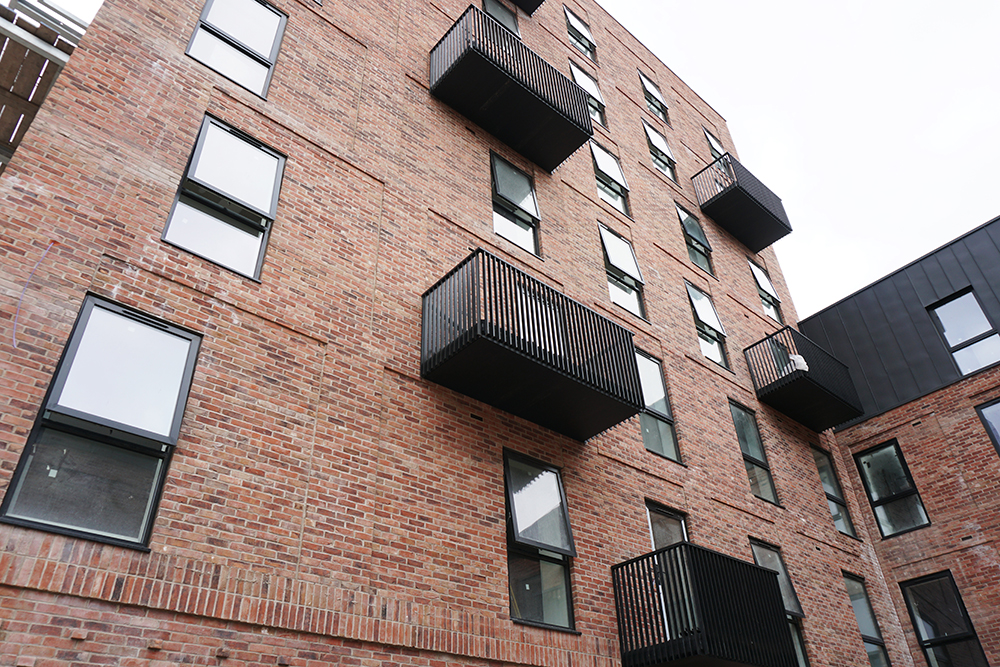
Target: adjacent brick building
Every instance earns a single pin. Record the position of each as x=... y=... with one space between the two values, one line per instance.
x=412 y=333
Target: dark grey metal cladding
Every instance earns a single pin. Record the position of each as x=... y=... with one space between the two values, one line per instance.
x=486 y=73
x=885 y=333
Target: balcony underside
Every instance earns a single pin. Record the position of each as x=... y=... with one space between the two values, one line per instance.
x=513 y=382
x=740 y=214
x=528 y=6
x=807 y=402
x=483 y=92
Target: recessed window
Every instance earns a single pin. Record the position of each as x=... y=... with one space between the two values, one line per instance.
x=654 y=98
x=711 y=335
x=768 y=556
x=515 y=207
x=870 y=632
x=699 y=250
x=595 y=101
x=657 y=422
x=972 y=339
x=505 y=17
x=834 y=494
x=624 y=279
x=943 y=627
x=97 y=457
x=714 y=145
x=579 y=35
x=758 y=471
x=891 y=492
x=227 y=199
x=611 y=185
x=768 y=295
x=540 y=543
x=240 y=40
x=663 y=159
x=990 y=415
x=666 y=527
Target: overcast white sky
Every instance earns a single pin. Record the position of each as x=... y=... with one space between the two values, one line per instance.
x=876 y=121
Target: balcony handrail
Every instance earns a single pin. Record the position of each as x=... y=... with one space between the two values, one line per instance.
x=486 y=296
x=787 y=354
x=726 y=173
x=478 y=30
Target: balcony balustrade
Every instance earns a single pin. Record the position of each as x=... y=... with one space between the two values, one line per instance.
x=492 y=332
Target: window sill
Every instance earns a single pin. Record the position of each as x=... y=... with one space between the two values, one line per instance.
x=545 y=626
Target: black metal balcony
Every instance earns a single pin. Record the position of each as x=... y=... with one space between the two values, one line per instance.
x=687 y=605
x=529 y=6
x=485 y=72
x=492 y=332
x=741 y=204
x=798 y=377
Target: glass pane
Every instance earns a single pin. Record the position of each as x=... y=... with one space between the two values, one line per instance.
x=991 y=419
x=692 y=227
x=620 y=253
x=699 y=257
x=771 y=559
x=654 y=390
x=762 y=280
x=230 y=244
x=657 y=140
x=658 y=436
x=883 y=468
x=704 y=309
x=715 y=145
x=579 y=25
x=538 y=590
x=666 y=529
x=826 y=475
x=514 y=230
x=651 y=88
x=73 y=482
x=771 y=310
x=229 y=61
x=862 y=608
x=514 y=185
x=747 y=433
x=247 y=21
x=978 y=355
x=613 y=196
x=876 y=655
x=966 y=653
x=936 y=608
x=902 y=514
x=841 y=519
x=502 y=15
x=962 y=319
x=586 y=82
x=625 y=296
x=237 y=168
x=800 y=648
x=537 y=505
x=126 y=372
x=608 y=164
x=760 y=482
x=712 y=349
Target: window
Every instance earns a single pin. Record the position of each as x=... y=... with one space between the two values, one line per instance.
x=540 y=543
x=834 y=495
x=660 y=152
x=768 y=296
x=972 y=339
x=97 y=456
x=240 y=40
x=894 y=498
x=595 y=101
x=654 y=98
x=711 y=335
x=870 y=633
x=990 y=415
x=770 y=557
x=505 y=17
x=943 y=627
x=579 y=35
x=699 y=250
x=624 y=279
x=515 y=208
x=611 y=183
x=714 y=145
x=657 y=423
x=227 y=199
x=666 y=527
x=758 y=472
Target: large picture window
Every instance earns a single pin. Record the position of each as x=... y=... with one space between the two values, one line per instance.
x=943 y=627
x=240 y=40
x=970 y=336
x=227 y=199
x=96 y=458
x=891 y=491
x=656 y=421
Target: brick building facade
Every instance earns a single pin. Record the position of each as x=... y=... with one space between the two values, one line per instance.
x=221 y=444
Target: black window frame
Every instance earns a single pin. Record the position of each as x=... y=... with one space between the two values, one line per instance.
x=619 y=278
x=661 y=417
x=927 y=645
x=750 y=458
x=653 y=507
x=502 y=7
x=584 y=43
x=991 y=431
x=839 y=501
x=697 y=247
x=769 y=299
x=226 y=208
x=269 y=60
x=595 y=103
x=655 y=102
x=512 y=211
x=662 y=160
x=793 y=616
x=715 y=147
x=975 y=340
x=912 y=491
x=707 y=332
x=867 y=639
x=608 y=185
x=56 y=418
